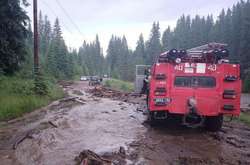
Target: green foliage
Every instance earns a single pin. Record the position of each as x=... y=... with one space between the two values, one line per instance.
x=91 y=58
x=153 y=45
x=119 y=85
x=166 y=43
x=121 y=61
x=139 y=54
x=246 y=84
x=55 y=57
x=15 y=85
x=40 y=87
x=13 y=33
x=245 y=118
x=17 y=96
x=119 y=58
x=107 y=83
x=13 y=106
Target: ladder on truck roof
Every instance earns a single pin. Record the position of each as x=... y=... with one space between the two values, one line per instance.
x=207 y=48
x=211 y=52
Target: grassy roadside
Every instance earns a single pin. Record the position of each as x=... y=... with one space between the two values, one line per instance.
x=119 y=85
x=17 y=97
x=245 y=118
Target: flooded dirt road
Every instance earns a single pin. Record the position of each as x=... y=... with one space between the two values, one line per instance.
x=113 y=125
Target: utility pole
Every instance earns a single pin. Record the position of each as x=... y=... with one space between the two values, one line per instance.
x=40 y=86
x=36 y=58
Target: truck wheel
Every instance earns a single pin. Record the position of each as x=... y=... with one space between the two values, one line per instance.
x=214 y=123
x=152 y=121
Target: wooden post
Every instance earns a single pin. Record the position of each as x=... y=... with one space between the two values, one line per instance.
x=36 y=56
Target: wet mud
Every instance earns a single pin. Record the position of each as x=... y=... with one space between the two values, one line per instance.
x=96 y=125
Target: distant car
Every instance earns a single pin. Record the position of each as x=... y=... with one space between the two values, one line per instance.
x=95 y=80
x=88 y=78
x=105 y=76
x=84 y=78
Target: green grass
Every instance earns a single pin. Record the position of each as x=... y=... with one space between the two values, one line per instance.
x=17 y=97
x=245 y=118
x=119 y=85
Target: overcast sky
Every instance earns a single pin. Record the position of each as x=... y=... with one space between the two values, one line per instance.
x=121 y=17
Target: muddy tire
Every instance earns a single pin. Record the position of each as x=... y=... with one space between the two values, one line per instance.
x=214 y=123
x=151 y=119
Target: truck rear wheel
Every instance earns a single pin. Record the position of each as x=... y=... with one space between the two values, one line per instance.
x=214 y=123
x=152 y=121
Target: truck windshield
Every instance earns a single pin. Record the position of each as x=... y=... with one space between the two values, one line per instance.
x=195 y=81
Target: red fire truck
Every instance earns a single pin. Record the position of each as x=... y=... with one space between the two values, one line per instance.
x=199 y=85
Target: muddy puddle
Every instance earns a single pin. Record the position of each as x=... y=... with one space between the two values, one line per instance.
x=111 y=126
x=99 y=129
x=98 y=124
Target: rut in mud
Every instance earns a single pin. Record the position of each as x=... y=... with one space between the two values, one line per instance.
x=104 y=126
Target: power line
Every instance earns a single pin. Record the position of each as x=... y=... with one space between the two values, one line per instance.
x=53 y=12
x=71 y=20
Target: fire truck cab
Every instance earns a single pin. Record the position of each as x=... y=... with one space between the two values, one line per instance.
x=200 y=85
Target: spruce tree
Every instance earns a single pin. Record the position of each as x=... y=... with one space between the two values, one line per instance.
x=153 y=46
x=139 y=56
x=244 y=51
x=13 y=33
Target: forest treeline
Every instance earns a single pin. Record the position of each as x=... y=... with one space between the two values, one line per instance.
x=57 y=60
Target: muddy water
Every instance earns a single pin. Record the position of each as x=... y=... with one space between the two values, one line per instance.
x=58 y=133
x=93 y=126
x=169 y=145
x=98 y=124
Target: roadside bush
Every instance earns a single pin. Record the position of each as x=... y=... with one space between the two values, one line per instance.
x=245 y=118
x=16 y=86
x=17 y=96
x=22 y=87
x=107 y=83
x=124 y=87
x=1 y=72
x=119 y=85
x=246 y=84
x=13 y=106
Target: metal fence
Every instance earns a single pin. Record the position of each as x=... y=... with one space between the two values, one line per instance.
x=140 y=76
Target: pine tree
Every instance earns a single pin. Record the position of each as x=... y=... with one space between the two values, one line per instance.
x=46 y=37
x=41 y=33
x=153 y=46
x=209 y=28
x=244 y=51
x=118 y=56
x=166 y=39
x=111 y=55
x=139 y=56
x=236 y=31
x=13 y=33
x=57 y=60
x=182 y=32
x=51 y=67
x=123 y=61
